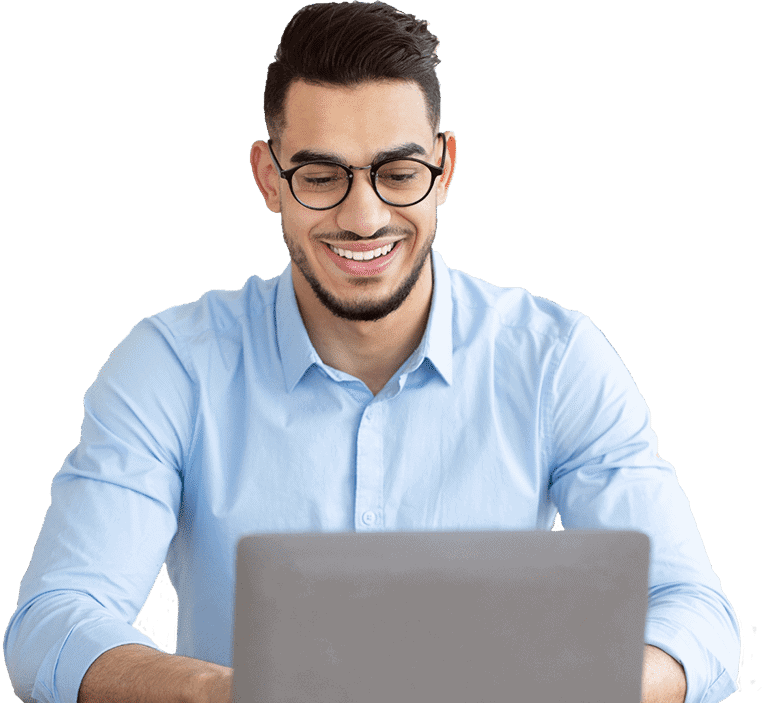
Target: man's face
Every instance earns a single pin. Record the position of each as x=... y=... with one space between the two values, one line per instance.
x=356 y=126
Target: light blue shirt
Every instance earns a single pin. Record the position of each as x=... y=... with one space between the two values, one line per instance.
x=216 y=419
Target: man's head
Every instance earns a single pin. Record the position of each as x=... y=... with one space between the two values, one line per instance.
x=353 y=85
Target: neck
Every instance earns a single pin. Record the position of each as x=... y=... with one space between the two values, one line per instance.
x=369 y=350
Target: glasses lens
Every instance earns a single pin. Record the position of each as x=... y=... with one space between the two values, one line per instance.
x=320 y=184
x=403 y=182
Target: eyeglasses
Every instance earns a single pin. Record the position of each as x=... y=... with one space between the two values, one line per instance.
x=322 y=185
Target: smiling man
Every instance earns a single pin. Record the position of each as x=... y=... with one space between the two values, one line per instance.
x=369 y=387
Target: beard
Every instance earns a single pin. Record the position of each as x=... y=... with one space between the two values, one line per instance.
x=360 y=310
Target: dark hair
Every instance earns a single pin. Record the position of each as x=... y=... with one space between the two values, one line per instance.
x=347 y=43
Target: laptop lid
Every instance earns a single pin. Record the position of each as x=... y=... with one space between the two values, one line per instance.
x=448 y=617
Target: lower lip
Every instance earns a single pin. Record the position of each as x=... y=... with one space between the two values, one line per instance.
x=362 y=268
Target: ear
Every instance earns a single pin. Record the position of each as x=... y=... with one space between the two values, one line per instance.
x=266 y=175
x=443 y=182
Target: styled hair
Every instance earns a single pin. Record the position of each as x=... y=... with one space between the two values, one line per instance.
x=348 y=43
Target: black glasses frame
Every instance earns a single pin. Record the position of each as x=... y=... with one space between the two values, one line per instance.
x=436 y=171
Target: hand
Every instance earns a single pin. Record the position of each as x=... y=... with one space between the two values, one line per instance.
x=219 y=685
x=663 y=677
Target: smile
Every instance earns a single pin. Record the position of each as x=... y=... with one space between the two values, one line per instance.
x=363 y=255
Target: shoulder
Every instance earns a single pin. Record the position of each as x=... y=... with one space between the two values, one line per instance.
x=219 y=313
x=511 y=312
x=174 y=342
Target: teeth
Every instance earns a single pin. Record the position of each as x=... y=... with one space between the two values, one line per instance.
x=363 y=255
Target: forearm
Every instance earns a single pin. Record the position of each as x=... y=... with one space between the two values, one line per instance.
x=137 y=674
x=663 y=678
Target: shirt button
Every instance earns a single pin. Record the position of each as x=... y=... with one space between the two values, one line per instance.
x=369 y=517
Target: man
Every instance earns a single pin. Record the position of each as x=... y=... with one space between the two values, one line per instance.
x=367 y=388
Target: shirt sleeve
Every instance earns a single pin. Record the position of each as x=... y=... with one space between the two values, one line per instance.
x=114 y=510
x=606 y=473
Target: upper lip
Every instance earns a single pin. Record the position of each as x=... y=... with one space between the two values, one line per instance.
x=362 y=246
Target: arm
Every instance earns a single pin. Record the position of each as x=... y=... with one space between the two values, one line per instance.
x=114 y=510
x=606 y=474
x=663 y=679
x=137 y=674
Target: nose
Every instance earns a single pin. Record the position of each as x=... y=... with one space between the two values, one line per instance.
x=363 y=212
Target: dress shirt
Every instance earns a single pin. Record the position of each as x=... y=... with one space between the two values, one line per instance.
x=218 y=418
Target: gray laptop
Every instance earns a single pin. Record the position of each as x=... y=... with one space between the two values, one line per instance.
x=440 y=617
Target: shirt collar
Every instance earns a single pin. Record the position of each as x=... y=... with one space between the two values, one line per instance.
x=297 y=353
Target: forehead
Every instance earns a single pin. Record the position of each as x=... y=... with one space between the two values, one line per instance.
x=355 y=121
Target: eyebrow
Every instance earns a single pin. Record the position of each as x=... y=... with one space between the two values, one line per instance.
x=398 y=152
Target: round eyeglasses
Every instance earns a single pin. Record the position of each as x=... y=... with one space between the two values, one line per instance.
x=322 y=185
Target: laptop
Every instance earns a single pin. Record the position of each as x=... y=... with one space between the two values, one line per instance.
x=440 y=617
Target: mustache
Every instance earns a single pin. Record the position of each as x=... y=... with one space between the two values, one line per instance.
x=346 y=236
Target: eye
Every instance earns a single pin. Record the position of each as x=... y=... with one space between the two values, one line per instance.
x=402 y=174
x=319 y=177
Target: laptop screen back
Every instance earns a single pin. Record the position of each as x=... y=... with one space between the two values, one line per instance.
x=454 y=617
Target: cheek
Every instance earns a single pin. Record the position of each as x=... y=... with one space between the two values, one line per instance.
x=425 y=221
x=300 y=223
